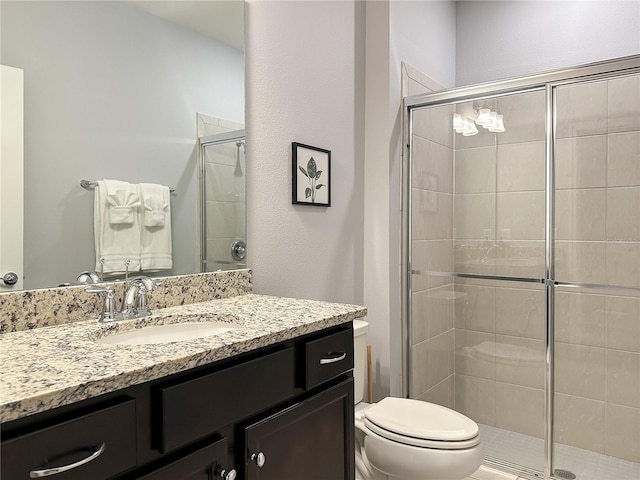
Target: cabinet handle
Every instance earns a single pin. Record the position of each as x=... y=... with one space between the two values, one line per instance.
x=46 y=472
x=341 y=356
x=259 y=459
x=227 y=475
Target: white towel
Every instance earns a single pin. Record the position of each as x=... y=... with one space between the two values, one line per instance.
x=155 y=246
x=116 y=226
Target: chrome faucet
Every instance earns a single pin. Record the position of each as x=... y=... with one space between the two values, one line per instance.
x=135 y=302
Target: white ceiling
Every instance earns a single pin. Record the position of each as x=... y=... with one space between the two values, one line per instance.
x=219 y=19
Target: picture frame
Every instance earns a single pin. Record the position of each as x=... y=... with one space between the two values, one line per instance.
x=311 y=175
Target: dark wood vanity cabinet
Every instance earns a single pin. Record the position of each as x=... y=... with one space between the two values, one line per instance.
x=312 y=439
x=280 y=412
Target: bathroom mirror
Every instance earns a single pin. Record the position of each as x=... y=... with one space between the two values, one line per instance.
x=114 y=90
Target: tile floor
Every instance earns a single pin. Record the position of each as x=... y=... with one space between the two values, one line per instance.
x=529 y=452
x=488 y=473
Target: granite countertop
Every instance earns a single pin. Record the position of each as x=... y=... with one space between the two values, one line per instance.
x=48 y=367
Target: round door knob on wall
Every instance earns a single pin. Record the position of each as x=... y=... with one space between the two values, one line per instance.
x=10 y=278
x=258 y=459
x=238 y=250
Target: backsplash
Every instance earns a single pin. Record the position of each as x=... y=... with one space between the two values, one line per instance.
x=29 y=309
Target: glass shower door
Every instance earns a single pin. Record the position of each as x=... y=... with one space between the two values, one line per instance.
x=478 y=264
x=597 y=294
x=223 y=204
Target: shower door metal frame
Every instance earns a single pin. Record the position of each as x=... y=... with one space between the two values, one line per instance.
x=548 y=82
x=204 y=142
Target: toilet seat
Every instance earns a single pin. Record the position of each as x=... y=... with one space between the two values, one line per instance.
x=421 y=424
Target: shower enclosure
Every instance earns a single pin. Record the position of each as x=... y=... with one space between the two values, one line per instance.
x=222 y=202
x=521 y=258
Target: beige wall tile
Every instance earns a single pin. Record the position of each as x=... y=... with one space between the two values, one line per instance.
x=474 y=214
x=520 y=361
x=581 y=214
x=431 y=215
x=431 y=313
x=579 y=422
x=419 y=368
x=435 y=124
x=419 y=258
x=440 y=260
x=624 y=104
x=623 y=214
x=623 y=264
x=580 y=319
x=581 y=262
x=622 y=432
x=580 y=370
x=476 y=311
x=623 y=327
x=431 y=255
x=476 y=398
x=520 y=409
x=623 y=378
x=581 y=162
x=521 y=166
x=524 y=115
x=432 y=166
x=522 y=213
x=623 y=164
x=475 y=170
x=581 y=109
x=437 y=359
x=475 y=354
x=441 y=394
x=520 y=312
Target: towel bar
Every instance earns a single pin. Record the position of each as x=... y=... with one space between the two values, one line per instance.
x=90 y=185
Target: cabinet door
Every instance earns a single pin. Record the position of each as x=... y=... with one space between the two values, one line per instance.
x=202 y=464
x=312 y=439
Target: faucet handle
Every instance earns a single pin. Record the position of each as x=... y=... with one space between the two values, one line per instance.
x=109 y=312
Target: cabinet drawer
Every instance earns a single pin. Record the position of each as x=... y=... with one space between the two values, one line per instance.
x=93 y=446
x=196 y=408
x=328 y=357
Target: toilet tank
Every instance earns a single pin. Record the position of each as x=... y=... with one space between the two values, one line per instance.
x=360 y=328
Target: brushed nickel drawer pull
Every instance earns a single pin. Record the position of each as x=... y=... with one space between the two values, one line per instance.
x=46 y=472
x=325 y=361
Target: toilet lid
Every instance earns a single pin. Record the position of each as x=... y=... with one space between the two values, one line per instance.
x=408 y=418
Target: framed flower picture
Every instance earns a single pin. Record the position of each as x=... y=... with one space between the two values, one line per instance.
x=311 y=175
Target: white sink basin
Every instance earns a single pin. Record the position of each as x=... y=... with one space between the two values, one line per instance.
x=174 y=332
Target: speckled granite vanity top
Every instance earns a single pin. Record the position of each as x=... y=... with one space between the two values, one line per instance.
x=47 y=367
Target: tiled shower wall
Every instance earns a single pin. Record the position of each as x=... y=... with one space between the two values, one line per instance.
x=432 y=248
x=598 y=242
x=479 y=345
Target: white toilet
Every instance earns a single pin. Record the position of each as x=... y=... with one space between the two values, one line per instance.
x=405 y=439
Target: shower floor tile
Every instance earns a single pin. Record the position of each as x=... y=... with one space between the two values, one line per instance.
x=529 y=452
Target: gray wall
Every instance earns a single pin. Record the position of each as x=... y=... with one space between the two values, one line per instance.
x=85 y=119
x=301 y=87
x=497 y=40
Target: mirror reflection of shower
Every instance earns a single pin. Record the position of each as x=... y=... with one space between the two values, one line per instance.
x=222 y=201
